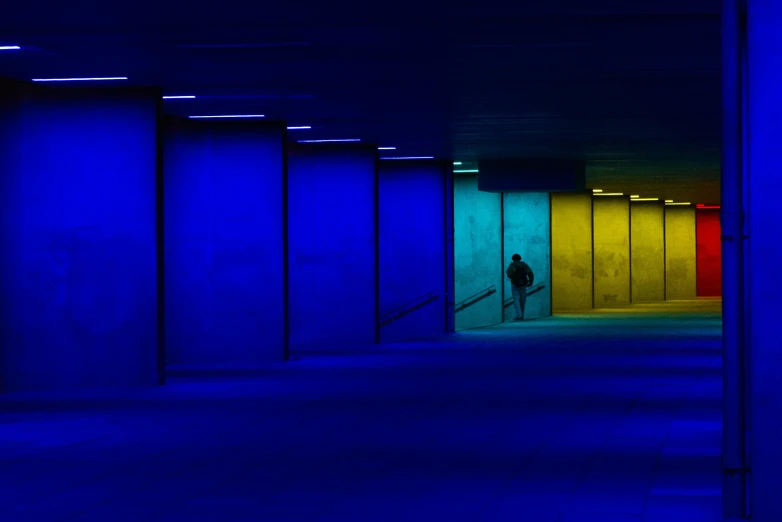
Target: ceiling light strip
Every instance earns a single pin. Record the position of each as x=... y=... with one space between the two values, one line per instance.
x=95 y=79
x=226 y=116
x=407 y=158
x=330 y=141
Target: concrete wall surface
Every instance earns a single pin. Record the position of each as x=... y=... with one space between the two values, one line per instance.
x=78 y=279
x=680 y=253
x=647 y=234
x=611 y=222
x=412 y=250
x=571 y=251
x=331 y=216
x=223 y=242
x=477 y=255
x=527 y=232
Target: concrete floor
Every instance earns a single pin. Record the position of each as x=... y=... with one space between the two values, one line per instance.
x=609 y=416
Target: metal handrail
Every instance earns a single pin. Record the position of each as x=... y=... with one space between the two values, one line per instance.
x=409 y=307
x=483 y=294
x=532 y=290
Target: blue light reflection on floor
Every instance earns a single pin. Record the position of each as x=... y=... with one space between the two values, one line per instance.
x=593 y=417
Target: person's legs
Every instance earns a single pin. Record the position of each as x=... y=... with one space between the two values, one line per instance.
x=517 y=300
x=522 y=300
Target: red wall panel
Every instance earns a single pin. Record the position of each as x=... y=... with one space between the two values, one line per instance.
x=709 y=261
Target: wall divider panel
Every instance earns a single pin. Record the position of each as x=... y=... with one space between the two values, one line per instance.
x=647 y=240
x=680 y=253
x=224 y=242
x=331 y=223
x=412 y=239
x=78 y=233
x=571 y=251
x=527 y=232
x=709 y=252
x=611 y=230
x=479 y=274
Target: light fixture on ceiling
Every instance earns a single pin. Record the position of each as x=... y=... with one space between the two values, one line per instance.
x=386 y=148
x=597 y=190
x=634 y=197
x=10 y=48
x=457 y=162
x=669 y=201
x=644 y=199
x=407 y=158
x=227 y=116
x=330 y=141
x=672 y=204
x=95 y=79
x=299 y=127
x=608 y=194
x=186 y=97
x=465 y=171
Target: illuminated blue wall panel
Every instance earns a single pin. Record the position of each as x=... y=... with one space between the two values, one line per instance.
x=224 y=242
x=527 y=232
x=78 y=211
x=332 y=245
x=764 y=186
x=412 y=250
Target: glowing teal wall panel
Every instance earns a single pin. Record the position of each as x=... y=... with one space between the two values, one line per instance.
x=680 y=253
x=611 y=225
x=571 y=251
x=478 y=255
x=647 y=252
x=527 y=232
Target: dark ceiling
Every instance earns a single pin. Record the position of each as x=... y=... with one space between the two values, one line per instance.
x=633 y=87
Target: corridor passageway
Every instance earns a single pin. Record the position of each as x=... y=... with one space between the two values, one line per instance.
x=608 y=416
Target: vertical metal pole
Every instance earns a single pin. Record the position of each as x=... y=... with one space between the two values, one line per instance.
x=377 y=247
x=160 y=258
x=732 y=219
x=502 y=257
x=286 y=312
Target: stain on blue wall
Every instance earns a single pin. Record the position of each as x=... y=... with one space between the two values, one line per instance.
x=332 y=245
x=412 y=250
x=477 y=255
x=79 y=301
x=527 y=232
x=223 y=243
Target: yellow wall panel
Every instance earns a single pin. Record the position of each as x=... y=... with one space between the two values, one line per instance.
x=571 y=251
x=611 y=223
x=680 y=252
x=647 y=240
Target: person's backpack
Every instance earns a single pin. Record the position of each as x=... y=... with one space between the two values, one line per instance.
x=517 y=274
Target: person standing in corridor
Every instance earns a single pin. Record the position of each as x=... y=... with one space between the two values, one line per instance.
x=521 y=277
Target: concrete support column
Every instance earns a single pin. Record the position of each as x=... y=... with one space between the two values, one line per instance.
x=611 y=223
x=571 y=252
x=763 y=180
x=647 y=252
x=332 y=217
x=413 y=282
x=80 y=225
x=224 y=242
